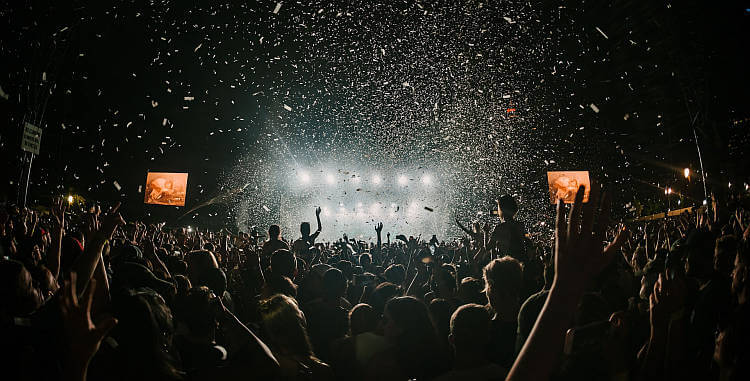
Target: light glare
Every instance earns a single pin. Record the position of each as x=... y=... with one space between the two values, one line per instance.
x=304 y=177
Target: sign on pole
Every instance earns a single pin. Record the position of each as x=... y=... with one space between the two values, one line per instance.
x=32 y=138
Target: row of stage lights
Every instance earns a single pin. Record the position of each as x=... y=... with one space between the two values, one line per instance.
x=330 y=179
x=377 y=209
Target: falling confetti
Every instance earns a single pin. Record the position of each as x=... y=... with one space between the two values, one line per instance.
x=483 y=97
x=602 y=33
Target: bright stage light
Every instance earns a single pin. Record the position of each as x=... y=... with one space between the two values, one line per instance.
x=70 y=199
x=686 y=172
x=304 y=177
x=375 y=209
x=376 y=179
x=402 y=180
x=426 y=180
x=330 y=179
x=413 y=208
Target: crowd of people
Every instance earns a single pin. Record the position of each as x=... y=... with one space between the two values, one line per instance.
x=90 y=294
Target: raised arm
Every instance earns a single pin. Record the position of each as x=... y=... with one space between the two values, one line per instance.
x=242 y=340
x=82 y=335
x=379 y=231
x=100 y=234
x=58 y=232
x=317 y=218
x=467 y=231
x=579 y=257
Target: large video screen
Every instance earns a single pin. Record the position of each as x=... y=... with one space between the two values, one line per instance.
x=564 y=185
x=166 y=188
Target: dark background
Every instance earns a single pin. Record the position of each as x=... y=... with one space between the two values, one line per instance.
x=664 y=70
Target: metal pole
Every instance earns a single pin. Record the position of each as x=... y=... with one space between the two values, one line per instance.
x=700 y=161
x=23 y=187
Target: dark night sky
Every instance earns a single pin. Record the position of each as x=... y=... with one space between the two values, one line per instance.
x=402 y=80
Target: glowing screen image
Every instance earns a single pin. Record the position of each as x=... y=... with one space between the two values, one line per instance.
x=564 y=185
x=166 y=188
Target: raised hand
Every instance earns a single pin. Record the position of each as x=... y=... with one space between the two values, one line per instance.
x=105 y=225
x=58 y=212
x=317 y=211
x=580 y=255
x=83 y=335
x=110 y=221
x=579 y=250
x=668 y=297
x=101 y=229
x=379 y=228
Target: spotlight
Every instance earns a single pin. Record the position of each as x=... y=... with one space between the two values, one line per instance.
x=70 y=199
x=189 y=229
x=304 y=177
x=413 y=208
x=376 y=179
x=426 y=180
x=686 y=172
x=375 y=209
x=402 y=180
x=330 y=179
